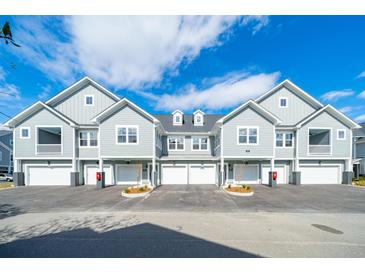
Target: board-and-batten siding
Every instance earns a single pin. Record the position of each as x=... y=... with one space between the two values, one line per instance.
x=27 y=147
x=5 y=160
x=73 y=106
x=340 y=148
x=297 y=109
x=126 y=116
x=248 y=117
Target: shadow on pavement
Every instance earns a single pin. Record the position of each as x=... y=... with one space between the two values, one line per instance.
x=137 y=241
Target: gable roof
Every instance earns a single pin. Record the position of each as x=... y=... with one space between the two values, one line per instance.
x=198 y=111
x=188 y=125
x=110 y=110
x=360 y=132
x=294 y=88
x=4 y=132
x=335 y=113
x=260 y=109
x=34 y=108
x=177 y=111
x=6 y=147
x=76 y=86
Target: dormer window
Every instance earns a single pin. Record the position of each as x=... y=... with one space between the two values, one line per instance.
x=177 y=117
x=198 y=118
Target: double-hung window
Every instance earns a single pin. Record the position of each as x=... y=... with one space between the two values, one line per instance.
x=176 y=143
x=127 y=134
x=88 y=138
x=199 y=143
x=89 y=100
x=248 y=135
x=284 y=139
x=24 y=132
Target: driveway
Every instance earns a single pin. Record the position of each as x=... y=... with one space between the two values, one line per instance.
x=193 y=198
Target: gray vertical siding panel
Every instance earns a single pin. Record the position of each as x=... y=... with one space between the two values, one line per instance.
x=73 y=106
x=5 y=156
x=126 y=116
x=296 y=111
x=360 y=150
x=248 y=117
x=340 y=148
x=26 y=147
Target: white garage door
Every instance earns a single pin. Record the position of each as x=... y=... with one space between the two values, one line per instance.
x=128 y=174
x=320 y=174
x=174 y=175
x=202 y=174
x=246 y=174
x=49 y=175
x=91 y=174
x=281 y=179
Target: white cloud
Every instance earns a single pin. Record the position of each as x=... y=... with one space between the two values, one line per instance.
x=346 y=109
x=2 y=74
x=230 y=92
x=361 y=75
x=360 y=118
x=362 y=95
x=44 y=94
x=124 y=51
x=334 y=95
x=9 y=92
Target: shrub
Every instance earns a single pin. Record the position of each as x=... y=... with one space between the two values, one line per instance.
x=229 y=186
x=126 y=190
x=141 y=188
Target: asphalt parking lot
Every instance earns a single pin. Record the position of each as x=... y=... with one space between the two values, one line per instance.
x=197 y=198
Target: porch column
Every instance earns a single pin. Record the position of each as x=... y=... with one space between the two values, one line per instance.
x=18 y=175
x=153 y=172
x=75 y=175
x=272 y=181
x=101 y=183
x=348 y=173
x=295 y=176
x=222 y=160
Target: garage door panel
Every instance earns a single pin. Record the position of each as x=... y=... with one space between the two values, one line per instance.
x=48 y=175
x=281 y=176
x=91 y=175
x=128 y=174
x=320 y=174
x=202 y=174
x=246 y=174
x=174 y=175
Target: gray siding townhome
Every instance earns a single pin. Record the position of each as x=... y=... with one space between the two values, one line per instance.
x=284 y=136
x=6 y=151
x=359 y=151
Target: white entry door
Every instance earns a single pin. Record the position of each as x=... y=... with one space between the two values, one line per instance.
x=174 y=174
x=202 y=174
x=48 y=175
x=90 y=172
x=246 y=174
x=281 y=179
x=320 y=175
x=128 y=174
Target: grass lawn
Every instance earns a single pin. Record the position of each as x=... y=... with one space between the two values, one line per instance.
x=6 y=185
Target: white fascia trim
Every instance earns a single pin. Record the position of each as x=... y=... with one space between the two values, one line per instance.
x=83 y=80
x=256 y=107
x=177 y=111
x=43 y=158
x=28 y=111
x=184 y=133
x=198 y=111
x=289 y=84
x=127 y=157
x=118 y=104
x=329 y=107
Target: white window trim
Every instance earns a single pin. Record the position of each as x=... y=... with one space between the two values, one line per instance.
x=127 y=139
x=21 y=131
x=287 y=102
x=85 y=102
x=200 y=143
x=284 y=139
x=344 y=135
x=248 y=135
x=88 y=139
x=174 y=119
x=316 y=154
x=36 y=136
x=196 y=123
x=175 y=137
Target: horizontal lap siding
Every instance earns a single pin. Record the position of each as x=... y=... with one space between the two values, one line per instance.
x=73 y=106
x=340 y=148
x=248 y=117
x=296 y=111
x=26 y=147
x=126 y=116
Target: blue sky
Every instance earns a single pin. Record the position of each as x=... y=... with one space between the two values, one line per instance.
x=164 y=63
